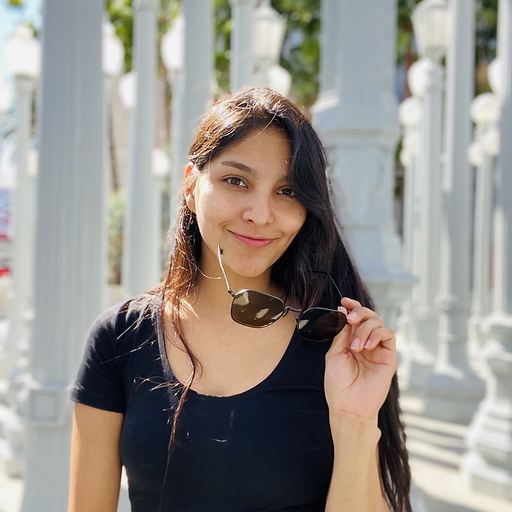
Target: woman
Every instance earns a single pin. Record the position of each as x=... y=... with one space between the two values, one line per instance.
x=207 y=412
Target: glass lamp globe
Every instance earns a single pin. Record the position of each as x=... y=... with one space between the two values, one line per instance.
x=269 y=30
x=485 y=108
x=112 y=51
x=280 y=79
x=127 y=89
x=160 y=163
x=476 y=154
x=23 y=52
x=172 y=45
x=5 y=97
x=494 y=75
x=418 y=76
x=409 y=112
x=430 y=22
x=491 y=141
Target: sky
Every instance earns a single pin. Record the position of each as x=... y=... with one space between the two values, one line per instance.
x=9 y=18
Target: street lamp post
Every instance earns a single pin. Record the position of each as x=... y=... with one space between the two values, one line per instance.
x=195 y=91
x=488 y=463
x=241 y=72
x=409 y=115
x=452 y=388
x=481 y=154
x=67 y=276
x=141 y=251
x=172 y=49
x=430 y=28
x=23 y=57
x=269 y=32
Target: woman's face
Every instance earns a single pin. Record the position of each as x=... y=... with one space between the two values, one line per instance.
x=244 y=203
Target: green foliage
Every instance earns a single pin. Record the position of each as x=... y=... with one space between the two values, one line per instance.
x=222 y=45
x=121 y=16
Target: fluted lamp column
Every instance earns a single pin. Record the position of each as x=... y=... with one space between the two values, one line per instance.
x=195 y=94
x=67 y=284
x=452 y=389
x=488 y=463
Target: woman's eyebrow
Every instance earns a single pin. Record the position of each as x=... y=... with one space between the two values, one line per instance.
x=245 y=168
x=240 y=166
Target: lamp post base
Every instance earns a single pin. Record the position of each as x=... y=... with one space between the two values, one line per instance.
x=453 y=396
x=484 y=477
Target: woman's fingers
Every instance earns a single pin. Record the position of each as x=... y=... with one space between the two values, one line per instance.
x=367 y=327
x=361 y=335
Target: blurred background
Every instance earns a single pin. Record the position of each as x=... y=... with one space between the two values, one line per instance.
x=99 y=103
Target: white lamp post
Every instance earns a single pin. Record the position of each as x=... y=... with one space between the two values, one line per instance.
x=452 y=388
x=484 y=113
x=195 y=91
x=127 y=89
x=67 y=277
x=241 y=63
x=141 y=251
x=173 y=50
x=23 y=58
x=426 y=79
x=409 y=115
x=488 y=463
x=269 y=32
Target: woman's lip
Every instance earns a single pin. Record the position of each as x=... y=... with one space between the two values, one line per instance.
x=253 y=242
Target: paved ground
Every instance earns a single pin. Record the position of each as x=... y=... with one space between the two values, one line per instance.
x=435 y=449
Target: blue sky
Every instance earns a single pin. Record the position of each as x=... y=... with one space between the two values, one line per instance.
x=9 y=18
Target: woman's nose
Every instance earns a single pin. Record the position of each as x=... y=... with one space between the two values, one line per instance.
x=258 y=210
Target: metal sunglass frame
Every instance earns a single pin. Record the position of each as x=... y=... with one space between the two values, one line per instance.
x=286 y=309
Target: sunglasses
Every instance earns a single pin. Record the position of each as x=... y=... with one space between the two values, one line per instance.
x=257 y=309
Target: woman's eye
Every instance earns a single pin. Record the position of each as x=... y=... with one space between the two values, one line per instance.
x=287 y=192
x=235 y=181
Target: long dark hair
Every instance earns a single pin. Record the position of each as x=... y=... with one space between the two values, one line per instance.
x=318 y=246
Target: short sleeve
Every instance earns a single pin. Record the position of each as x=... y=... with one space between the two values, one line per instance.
x=99 y=382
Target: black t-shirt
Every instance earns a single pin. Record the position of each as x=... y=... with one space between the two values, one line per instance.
x=267 y=449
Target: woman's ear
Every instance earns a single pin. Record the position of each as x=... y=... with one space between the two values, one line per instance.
x=190 y=187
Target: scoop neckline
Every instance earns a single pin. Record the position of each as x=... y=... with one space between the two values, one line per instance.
x=169 y=374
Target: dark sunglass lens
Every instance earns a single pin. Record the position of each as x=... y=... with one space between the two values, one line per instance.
x=256 y=309
x=319 y=324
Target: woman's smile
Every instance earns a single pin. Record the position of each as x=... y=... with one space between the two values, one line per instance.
x=255 y=242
